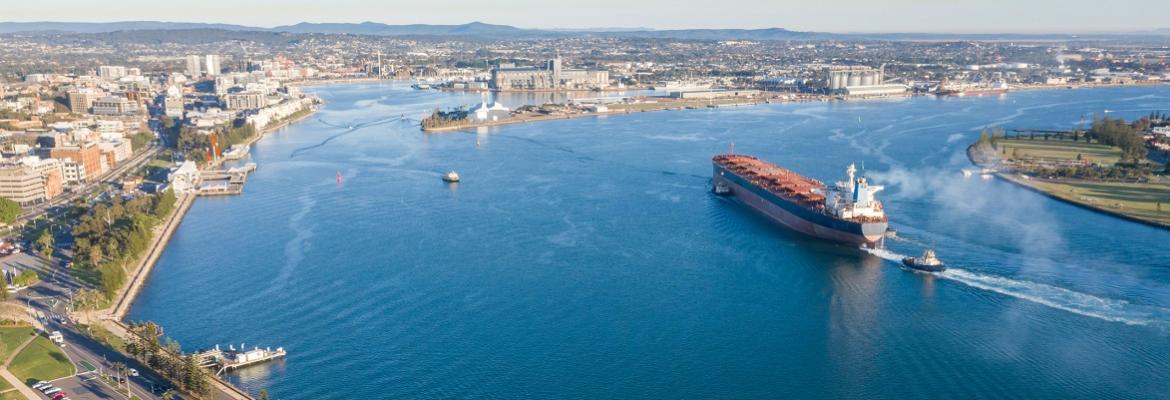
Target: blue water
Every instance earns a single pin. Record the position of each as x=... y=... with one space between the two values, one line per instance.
x=587 y=259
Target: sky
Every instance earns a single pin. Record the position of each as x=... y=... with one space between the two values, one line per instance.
x=1072 y=16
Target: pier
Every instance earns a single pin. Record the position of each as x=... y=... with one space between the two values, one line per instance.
x=225 y=182
x=222 y=361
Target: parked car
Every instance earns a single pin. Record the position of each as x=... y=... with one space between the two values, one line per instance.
x=59 y=396
x=50 y=390
x=40 y=385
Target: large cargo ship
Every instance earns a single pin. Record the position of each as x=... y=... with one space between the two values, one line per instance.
x=848 y=212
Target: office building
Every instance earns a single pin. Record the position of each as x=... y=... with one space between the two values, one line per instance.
x=111 y=72
x=82 y=163
x=194 y=66
x=81 y=100
x=114 y=105
x=212 y=65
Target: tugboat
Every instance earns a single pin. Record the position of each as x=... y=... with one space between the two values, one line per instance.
x=451 y=177
x=928 y=262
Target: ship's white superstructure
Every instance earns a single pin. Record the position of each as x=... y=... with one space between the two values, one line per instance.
x=854 y=199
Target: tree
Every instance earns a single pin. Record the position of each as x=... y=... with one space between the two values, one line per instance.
x=45 y=244
x=9 y=210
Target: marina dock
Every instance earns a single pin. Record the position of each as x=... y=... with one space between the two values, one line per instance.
x=228 y=182
x=222 y=361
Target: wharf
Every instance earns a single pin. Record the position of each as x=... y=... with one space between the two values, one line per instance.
x=225 y=182
x=226 y=360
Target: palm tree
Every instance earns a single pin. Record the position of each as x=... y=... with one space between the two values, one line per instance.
x=122 y=370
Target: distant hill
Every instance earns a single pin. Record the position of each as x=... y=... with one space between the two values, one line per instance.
x=104 y=27
x=374 y=28
x=491 y=31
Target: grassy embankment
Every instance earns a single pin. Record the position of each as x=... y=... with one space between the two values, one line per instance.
x=41 y=360
x=1145 y=201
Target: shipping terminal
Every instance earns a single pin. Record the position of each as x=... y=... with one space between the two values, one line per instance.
x=848 y=212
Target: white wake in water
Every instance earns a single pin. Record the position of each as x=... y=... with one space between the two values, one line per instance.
x=1059 y=298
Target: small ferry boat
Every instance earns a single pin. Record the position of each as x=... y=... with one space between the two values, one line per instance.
x=928 y=262
x=451 y=177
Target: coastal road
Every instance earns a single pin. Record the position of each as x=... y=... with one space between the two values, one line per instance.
x=90 y=357
x=35 y=211
x=50 y=299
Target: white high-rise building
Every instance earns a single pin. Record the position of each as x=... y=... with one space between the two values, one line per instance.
x=212 y=64
x=194 y=66
x=111 y=72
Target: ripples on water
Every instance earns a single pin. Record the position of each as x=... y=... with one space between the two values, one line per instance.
x=586 y=259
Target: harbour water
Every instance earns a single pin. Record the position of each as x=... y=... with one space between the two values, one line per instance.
x=587 y=258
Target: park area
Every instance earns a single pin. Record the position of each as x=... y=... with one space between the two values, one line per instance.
x=1058 y=150
x=1147 y=201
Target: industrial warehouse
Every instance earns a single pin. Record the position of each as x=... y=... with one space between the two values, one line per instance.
x=549 y=76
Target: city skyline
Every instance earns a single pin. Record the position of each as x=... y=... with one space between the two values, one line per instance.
x=997 y=16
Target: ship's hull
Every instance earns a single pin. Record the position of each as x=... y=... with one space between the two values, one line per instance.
x=797 y=217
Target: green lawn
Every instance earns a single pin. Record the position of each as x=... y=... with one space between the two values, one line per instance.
x=1058 y=150
x=11 y=395
x=41 y=360
x=101 y=334
x=1135 y=199
x=11 y=338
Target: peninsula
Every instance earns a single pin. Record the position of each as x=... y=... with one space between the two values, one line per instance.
x=1114 y=167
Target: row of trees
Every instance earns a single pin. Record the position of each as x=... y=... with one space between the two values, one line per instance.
x=166 y=357
x=109 y=235
x=440 y=119
x=196 y=146
x=1123 y=135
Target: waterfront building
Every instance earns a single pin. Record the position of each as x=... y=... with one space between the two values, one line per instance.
x=489 y=112
x=713 y=94
x=550 y=75
x=245 y=100
x=184 y=178
x=886 y=89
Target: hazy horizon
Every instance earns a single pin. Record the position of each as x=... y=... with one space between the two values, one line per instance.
x=844 y=16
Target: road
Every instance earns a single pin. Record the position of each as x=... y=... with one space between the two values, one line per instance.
x=49 y=300
x=35 y=211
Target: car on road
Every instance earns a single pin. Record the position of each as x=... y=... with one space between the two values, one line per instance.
x=133 y=372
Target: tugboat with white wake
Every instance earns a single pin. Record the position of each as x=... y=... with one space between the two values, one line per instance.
x=928 y=262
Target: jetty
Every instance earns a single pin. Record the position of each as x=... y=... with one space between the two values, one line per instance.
x=227 y=182
x=222 y=361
